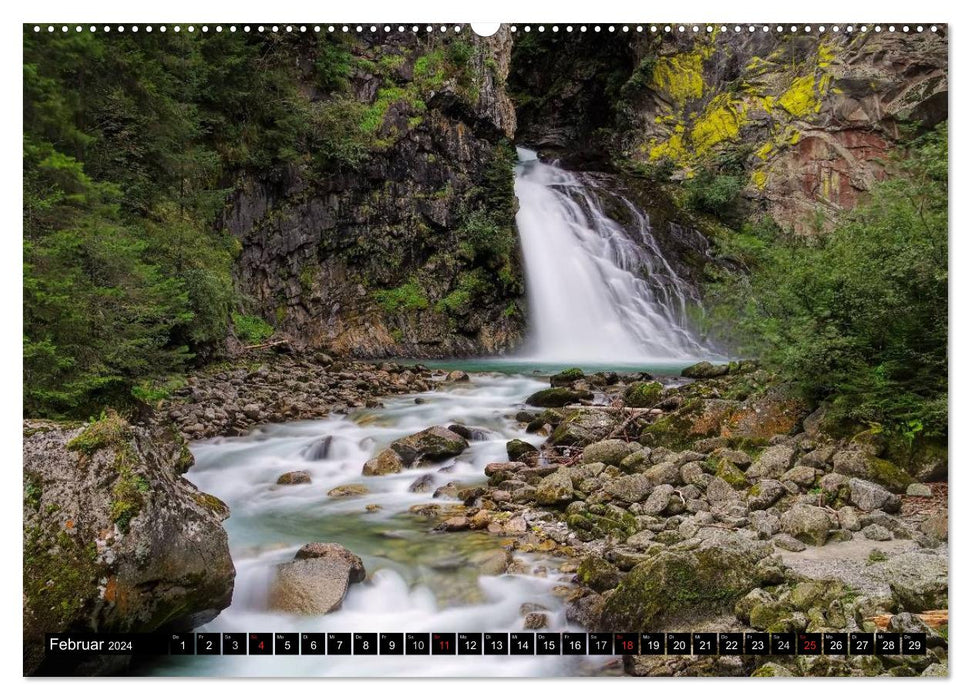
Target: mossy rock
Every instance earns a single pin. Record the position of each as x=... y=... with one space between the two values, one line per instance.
x=676 y=584
x=598 y=573
x=109 y=431
x=557 y=397
x=643 y=394
x=889 y=475
x=567 y=377
x=516 y=449
x=705 y=370
x=731 y=474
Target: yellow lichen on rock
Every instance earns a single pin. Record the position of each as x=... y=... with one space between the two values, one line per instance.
x=801 y=98
x=679 y=76
x=721 y=121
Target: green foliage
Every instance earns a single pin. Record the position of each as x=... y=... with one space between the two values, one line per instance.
x=711 y=192
x=859 y=317
x=408 y=297
x=110 y=430
x=251 y=329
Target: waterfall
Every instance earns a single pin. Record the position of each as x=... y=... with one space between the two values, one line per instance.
x=597 y=292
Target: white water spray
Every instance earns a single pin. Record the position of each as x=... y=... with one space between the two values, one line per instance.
x=597 y=292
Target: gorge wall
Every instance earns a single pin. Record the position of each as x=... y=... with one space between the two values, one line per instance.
x=396 y=236
x=391 y=232
x=808 y=119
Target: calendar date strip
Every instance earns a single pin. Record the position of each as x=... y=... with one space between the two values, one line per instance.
x=489 y=643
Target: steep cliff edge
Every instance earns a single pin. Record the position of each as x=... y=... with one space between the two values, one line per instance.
x=393 y=233
x=115 y=540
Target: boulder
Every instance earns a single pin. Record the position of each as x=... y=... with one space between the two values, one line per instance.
x=877 y=533
x=555 y=489
x=517 y=449
x=705 y=370
x=316 y=581
x=423 y=484
x=643 y=394
x=433 y=444
x=630 y=488
x=296 y=477
x=803 y=475
x=808 y=524
x=772 y=463
x=868 y=496
x=387 y=461
x=663 y=473
x=348 y=491
x=566 y=377
x=610 y=452
x=582 y=427
x=597 y=573
x=114 y=538
x=678 y=585
x=917 y=580
x=557 y=397
x=919 y=490
x=858 y=461
x=658 y=501
x=332 y=550
x=720 y=490
x=765 y=493
x=456 y=375
x=504 y=468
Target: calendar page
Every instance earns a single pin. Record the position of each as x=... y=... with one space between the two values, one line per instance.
x=450 y=350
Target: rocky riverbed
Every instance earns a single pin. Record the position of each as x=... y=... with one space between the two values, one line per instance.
x=719 y=505
x=714 y=501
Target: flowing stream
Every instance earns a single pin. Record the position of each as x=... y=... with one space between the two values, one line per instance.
x=598 y=292
x=419 y=581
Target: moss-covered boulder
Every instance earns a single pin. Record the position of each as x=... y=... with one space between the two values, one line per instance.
x=643 y=394
x=681 y=584
x=732 y=474
x=115 y=539
x=567 y=377
x=557 y=397
x=705 y=370
x=859 y=462
x=517 y=449
x=598 y=573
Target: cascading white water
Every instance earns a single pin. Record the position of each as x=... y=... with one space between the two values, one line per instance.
x=597 y=292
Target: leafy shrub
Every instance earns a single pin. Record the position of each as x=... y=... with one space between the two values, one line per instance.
x=408 y=297
x=251 y=329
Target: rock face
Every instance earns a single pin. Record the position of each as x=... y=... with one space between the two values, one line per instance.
x=811 y=116
x=316 y=581
x=383 y=254
x=115 y=540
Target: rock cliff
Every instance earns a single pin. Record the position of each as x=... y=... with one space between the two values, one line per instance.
x=401 y=241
